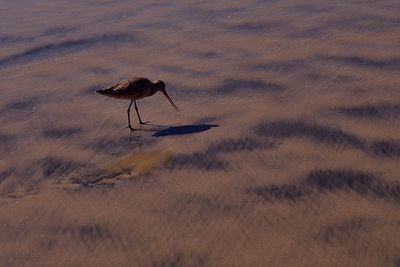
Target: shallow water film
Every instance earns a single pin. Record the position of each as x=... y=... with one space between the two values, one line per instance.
x=285 y=151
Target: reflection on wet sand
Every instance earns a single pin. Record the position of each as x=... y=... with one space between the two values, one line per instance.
x=286 y=151
x=107 y=174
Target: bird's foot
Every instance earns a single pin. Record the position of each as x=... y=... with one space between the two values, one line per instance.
x=146 y=122
x=130 y=128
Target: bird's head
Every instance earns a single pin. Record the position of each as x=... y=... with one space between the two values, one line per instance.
x=160 y=86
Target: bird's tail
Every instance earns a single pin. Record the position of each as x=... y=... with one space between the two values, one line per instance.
x=106 y=91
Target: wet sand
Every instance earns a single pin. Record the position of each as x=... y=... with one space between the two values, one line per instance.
x=286 y=151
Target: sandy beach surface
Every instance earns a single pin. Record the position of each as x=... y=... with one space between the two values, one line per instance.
x=286 y=151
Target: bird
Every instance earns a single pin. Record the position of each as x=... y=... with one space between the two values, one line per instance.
x=134 y=89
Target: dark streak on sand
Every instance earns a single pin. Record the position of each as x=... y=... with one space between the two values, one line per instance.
x=329 y=181
x=235 y=145
x=4 y=174
x=363 y=23
x=65 y=47
x=308 y=9
x=392 y=64
x=396 y=261
x=99 y=71
x=179 y=259
x=371 y=111
x=386 y=148
x=60 y=30
x=116 y=145
x=208 y=159
x=199 y=206
x=6 y=39
x=201 y=14
x=389 y=148
x=344 y=230
x=184 y=71
x=20 y=105
x=308 y=32
x=205 y=55
x=200 y=160
x=6 y=138
x=55 y=166
x=61 y=132
x=279 y=66
x=88 y=234
x=255 y=27
x=324 y=134
x=231 y=86
x=7 y=144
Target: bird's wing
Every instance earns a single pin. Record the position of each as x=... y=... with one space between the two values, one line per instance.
x=134 y=88
x=139 y=86
x=122 y=85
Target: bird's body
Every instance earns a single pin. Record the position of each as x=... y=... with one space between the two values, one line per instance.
x=134 y=89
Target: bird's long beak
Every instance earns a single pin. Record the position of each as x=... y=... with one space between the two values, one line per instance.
x=170 y=100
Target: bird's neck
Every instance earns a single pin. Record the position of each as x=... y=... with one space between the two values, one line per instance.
x=153 y=90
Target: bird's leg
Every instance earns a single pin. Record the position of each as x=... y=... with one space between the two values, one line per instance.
x=137 y=112
x=129 y=116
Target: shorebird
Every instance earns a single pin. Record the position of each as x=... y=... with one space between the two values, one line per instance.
x=134 y=89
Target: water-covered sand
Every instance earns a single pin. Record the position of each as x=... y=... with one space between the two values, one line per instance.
x=286 y=151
